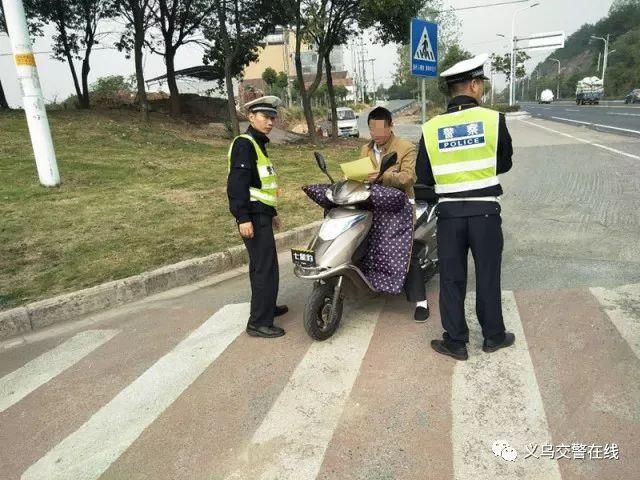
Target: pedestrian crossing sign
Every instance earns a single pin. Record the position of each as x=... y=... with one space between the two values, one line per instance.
x=424 y=48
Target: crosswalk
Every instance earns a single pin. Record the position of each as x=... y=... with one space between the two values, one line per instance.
x=373 y=402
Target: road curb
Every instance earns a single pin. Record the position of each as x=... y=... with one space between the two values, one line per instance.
x=70 y=306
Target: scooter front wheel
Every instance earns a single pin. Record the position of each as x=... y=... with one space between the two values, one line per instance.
x=321 y=320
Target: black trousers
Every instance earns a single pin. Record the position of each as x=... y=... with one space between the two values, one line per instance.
x=414 y=287
x=482 y=234
x=263 y=270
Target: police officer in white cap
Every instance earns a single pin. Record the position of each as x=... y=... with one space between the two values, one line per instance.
x=461 y=153
x=252 y=188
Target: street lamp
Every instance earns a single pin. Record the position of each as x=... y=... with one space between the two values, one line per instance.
x=558 y=88
x=606 y=53
x=513 y=45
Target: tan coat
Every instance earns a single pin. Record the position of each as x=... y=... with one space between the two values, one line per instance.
x=403 y=174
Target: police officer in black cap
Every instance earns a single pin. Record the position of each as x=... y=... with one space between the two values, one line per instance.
x=252 y=188
x=462 y=152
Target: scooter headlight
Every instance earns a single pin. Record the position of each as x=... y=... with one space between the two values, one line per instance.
x=352 y=198
x=332 y=228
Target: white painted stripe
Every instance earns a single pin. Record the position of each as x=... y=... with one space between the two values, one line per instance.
x=20 y=383
x=496 y=397
x=621 y=306
x=620 y=152
x=291 y=441
x=572 y=110
x=624 y=114
x=90 y=450
x=466 y=186
x=464 y=166
x=597 y=125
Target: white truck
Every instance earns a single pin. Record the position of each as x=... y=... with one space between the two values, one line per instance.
x=546 y=96
x=589 y=90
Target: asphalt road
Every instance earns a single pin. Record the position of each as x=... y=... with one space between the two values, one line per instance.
x=172 y=387
x=617 y=118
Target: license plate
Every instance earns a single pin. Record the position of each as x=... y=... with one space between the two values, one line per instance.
x=303 y=258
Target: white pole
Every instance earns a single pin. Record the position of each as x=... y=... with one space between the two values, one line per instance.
x=513 y=59
x=606 y=58
x=492 y=87
x=424 y=100
x=31 y=93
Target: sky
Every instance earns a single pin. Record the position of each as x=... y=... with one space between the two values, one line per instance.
x=477 y=35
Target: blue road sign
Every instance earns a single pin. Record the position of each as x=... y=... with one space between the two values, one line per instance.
x=424 y=48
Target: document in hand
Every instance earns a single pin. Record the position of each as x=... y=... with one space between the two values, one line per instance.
x=358 y=170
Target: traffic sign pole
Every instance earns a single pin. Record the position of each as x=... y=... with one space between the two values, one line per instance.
x=424 y=55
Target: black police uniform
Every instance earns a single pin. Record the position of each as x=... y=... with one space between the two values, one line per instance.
x=474 y=225
x=263 y=257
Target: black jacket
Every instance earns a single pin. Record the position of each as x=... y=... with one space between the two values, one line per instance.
x=504 y=164
x=244 y=174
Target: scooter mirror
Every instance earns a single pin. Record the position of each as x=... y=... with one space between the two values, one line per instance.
x=322 y=164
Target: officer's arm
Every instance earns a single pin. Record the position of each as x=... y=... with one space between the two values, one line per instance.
x=424 y=173
x=505 y=147
x=243 y=157
x=403 y=175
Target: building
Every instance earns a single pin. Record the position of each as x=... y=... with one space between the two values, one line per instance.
x=278 y=53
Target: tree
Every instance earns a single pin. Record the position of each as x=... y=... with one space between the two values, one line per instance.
x=454 y=55
x=178 y=23
x=3 y=29
x=269 y=76
x=234 y=35
x=502 y=64
x=138 y=15
x=76 y=23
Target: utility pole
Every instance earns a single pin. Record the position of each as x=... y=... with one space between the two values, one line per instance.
x=558 y=87
x=606 y=54
x=33 y=101
x=373 y=78
x=513 y=52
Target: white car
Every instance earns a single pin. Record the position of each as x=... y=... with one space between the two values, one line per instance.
x=347 y=122
x=546 y=96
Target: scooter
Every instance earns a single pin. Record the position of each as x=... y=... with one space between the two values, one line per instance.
x=341 y=243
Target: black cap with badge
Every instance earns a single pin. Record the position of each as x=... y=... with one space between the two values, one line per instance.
x=267 y=105
x=466 y=70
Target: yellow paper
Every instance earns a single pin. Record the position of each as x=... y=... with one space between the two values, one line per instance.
x=358 y=170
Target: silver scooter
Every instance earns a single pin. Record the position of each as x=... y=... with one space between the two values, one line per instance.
x=334 y=254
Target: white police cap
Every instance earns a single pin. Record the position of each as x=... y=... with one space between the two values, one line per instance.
x=466 y=70
x=268 y=105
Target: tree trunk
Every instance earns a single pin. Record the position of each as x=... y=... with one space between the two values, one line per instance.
x=3 y=99
x=228 y=80
x=76 y=84
x=171 y=81
x=86 y=68
x=332 y=96
x=138 y=45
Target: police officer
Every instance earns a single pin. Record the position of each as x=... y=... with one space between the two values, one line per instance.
x=462 y=152
x=252 y=188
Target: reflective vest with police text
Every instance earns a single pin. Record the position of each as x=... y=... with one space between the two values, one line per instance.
x=268 y=194
x=462 y=148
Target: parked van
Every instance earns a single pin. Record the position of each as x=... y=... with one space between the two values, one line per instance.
x=347 y=122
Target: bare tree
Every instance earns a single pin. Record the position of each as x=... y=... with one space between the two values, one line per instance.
x=179 y=22
x=138 y=15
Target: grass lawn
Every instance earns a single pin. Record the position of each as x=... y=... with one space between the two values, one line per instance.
x=133 y=197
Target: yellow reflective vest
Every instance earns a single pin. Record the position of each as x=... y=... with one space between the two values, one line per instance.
x=462 y=148
x=268 y=194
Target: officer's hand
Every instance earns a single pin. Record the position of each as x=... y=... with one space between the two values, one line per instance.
x=277 y=223
x=246 y=229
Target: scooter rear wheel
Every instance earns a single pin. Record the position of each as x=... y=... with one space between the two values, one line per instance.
x=320 y=321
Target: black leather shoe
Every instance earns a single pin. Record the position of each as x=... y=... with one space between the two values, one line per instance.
x=280 y=310
x=264 y=331
x=451 y=349
x=490 y=346
x=421 y=314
